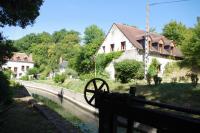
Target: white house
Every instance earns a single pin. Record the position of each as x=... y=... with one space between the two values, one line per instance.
x=131 y=40
x=19 y=64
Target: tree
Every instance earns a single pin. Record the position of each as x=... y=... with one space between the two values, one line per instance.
x=16 y=13
x=191 y=49
x=40 y=54
x=93 y=34
x=19 y=12
x=24 y=44
x=58 y=36
x=175 y=31
x=71 y=37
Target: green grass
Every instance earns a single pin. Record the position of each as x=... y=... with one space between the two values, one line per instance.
x=22 y=118
x=182 y=94
x=61 y=111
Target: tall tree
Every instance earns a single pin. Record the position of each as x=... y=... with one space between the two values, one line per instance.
x=71 y=37
x=16 y=13
x=58 y=36
x=191 y=48
x=93 y=34
x=175 y=31
x=24 y=43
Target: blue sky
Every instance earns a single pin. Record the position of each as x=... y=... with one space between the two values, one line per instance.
x=78 y=14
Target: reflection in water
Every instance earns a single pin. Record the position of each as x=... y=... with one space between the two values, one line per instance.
x=90 y=120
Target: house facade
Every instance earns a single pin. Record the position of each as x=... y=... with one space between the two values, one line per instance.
x=132 y=41
x=19 y=64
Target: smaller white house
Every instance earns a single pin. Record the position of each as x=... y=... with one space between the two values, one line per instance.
x=19 y=64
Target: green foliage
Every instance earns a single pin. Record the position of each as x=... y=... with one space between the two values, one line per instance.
x=25 y=77
x=194 y=79
x=5 y=90
x=6 y=49
x=59 y=78
x=18 y=12
x=93 y=34
x=175 y=31
x=24 y=44
x=191 y=48
x=153 y=68
x=71 y=72
x=127 y=70
x=102 y=60
x=7 y=73
x=40 y=54
x=33 y=71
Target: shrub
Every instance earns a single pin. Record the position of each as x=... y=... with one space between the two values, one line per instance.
x=71 y=72
x=152 y=70
x=33 y=71
x=127 y=69
x=7 y=73
x=102 y=60
x=59 y=78
x=5 y=90
x=25 y=77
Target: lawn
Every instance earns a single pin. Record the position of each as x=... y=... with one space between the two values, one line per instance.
x=182 y=94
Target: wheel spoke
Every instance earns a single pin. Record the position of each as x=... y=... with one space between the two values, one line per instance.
x=91 y=99
x=101 y=86
x=90 y=91
x=95 y=85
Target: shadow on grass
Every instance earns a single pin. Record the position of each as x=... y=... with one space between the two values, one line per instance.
x=181 y=94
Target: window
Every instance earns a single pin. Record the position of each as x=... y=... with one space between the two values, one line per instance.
x=9 y=68
x=15 y=69
x=25 y=59
x=27 y=67
x=112 y=47
x=123 y=46
x=18 y=58
x=155 y=45
x=104 y=47
x=22 y=68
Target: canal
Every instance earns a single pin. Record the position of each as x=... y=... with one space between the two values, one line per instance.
x=89 y=119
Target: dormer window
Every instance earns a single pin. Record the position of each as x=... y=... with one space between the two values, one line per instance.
x=123 y=46
x=155 y=45
x=166 y=47
x=104 y=48
x=25 y=59
x=112 y=47
x=18 y=58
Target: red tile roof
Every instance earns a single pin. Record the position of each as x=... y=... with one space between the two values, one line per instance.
x=134 y=35
x=21 y=57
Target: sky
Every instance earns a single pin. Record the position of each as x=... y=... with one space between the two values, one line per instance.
x=79 y=14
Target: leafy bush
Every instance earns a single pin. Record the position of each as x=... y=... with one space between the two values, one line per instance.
x=7 y=73
x=71 y=72
x=152 y=70
x=102 y=60
x=127 y=69
x=5 y=90
x=25 y=77
x=59 y=78
x=33 y=71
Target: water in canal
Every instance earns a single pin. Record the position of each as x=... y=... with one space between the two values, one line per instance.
x=90 y=120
